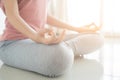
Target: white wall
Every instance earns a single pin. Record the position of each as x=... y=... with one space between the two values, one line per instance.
x=2 y=18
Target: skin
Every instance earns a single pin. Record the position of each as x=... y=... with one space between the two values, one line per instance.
x=12 y=13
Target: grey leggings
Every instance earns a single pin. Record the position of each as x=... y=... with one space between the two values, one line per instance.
x=48 y=60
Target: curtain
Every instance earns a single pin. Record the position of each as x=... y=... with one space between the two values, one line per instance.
x=105 y=13
x=57 y=8
x=111 y=18
x=82 y=12
x=76 y=12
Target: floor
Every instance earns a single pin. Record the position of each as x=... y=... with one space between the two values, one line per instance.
x=101 y=65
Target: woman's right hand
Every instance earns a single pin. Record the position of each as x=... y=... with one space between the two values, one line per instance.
x=51 y=37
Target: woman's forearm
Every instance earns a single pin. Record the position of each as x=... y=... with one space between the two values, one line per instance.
x=16 y=20
x=20 y=25
x=57 y=23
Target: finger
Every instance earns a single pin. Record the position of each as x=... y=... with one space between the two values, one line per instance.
x=55 y=40
x=94 y=28
x=89 y=25
x=49 y=30
x=51 y=39
x=97 y=27
x=45 y=32
x=61 y=37
x=52 y=33
x=41 y=33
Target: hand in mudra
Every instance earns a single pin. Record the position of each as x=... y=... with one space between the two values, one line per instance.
x=89 y=28
x=48 y=36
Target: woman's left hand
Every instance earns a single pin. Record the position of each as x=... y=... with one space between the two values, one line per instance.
x=88 y=28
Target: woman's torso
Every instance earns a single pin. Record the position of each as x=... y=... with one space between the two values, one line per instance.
x=33 y=12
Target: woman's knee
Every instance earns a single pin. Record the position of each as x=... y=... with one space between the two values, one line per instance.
x=61 y=61
x=96 y=41
x=89 y=43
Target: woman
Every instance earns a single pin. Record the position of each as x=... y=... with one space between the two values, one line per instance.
x=24 y=43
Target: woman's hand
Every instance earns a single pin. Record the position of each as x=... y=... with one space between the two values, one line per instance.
x=88 y=28
x=47 y=36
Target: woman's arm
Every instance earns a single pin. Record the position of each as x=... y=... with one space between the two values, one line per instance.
x=57 y=23
x=12 y=13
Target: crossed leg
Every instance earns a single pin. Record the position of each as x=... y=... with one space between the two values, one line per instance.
x=84 y=43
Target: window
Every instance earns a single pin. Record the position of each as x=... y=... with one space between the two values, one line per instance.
x=105 y=13
x=82 y=12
